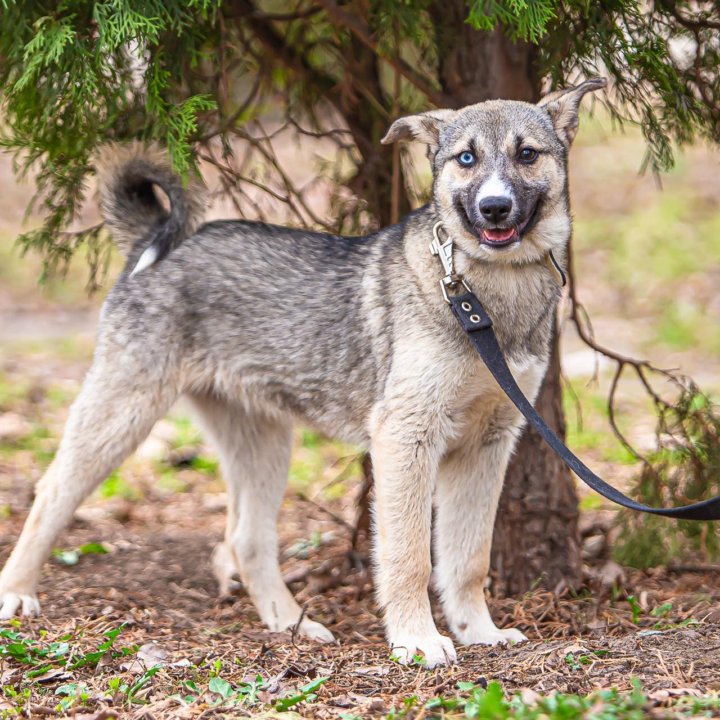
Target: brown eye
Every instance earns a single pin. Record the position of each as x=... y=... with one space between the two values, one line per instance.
x=528 y=155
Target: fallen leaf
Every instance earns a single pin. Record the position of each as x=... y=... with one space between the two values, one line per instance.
x=151 y=654
x=5 y=675
x=375 y=670
x=53 y=675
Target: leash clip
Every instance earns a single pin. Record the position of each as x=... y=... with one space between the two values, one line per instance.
x=444 y=251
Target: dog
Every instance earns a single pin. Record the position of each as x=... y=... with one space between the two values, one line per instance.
x=260 y=326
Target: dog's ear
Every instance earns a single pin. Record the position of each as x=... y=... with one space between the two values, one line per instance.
x=562 y=106
x=424 y=127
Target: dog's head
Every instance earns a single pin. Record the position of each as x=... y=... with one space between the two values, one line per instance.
x=500 y=171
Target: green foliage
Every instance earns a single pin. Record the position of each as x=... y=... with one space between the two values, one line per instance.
x=522 y=19
x=684 y=468
x=37 y=657
x=72 y=557
x=476 y=701
x=116 y=486
x=662 y=61
x=76 y=74
x=306 y=694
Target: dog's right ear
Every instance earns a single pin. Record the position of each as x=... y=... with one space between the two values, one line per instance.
x=424 y=127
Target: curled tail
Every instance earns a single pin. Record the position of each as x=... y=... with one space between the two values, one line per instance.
x=131 y=208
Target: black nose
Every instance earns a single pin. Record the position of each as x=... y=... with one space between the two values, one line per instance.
x=495 y=209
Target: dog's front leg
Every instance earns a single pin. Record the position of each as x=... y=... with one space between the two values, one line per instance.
x=470 y=480
x=404 y=466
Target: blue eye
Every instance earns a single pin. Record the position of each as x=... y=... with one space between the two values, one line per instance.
x=466 y=159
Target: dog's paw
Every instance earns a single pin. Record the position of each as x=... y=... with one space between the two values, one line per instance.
x=491 y=636
x=314 y=631
x=436 y=650
x=225 y=570
x=12 y=602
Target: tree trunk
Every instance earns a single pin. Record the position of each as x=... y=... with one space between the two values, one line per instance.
x=536 y=538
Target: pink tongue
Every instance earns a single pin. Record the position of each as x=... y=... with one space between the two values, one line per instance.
x=498 y=235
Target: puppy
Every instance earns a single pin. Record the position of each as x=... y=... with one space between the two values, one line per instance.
x=262 y=326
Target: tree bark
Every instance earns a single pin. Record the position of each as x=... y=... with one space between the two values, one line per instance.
x=536 y=539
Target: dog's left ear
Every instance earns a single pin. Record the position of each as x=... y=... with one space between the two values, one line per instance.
x=563 y=105
x=424 y=127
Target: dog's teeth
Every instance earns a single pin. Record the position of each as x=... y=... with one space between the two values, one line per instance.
x=147 y=259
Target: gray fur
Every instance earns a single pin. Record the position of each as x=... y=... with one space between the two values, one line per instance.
x=262 y=326
x=127 y=178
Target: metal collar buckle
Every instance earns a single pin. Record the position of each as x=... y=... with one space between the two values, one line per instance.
x=444 y=251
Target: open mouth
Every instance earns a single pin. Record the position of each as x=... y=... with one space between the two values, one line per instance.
x=499 y=237
x=504 y=237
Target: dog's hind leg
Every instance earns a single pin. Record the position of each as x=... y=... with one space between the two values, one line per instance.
x=120 y=400
x=254 y=452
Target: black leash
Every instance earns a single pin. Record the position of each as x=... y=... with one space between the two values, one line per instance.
x=478 y=326
x=475 y=322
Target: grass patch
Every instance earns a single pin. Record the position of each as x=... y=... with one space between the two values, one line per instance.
x=588 y=429
x=38 y=442
x=186 y=434
x=115 y=486
x=12 y=391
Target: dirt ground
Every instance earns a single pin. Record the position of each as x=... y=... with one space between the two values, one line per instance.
x=156 y=583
